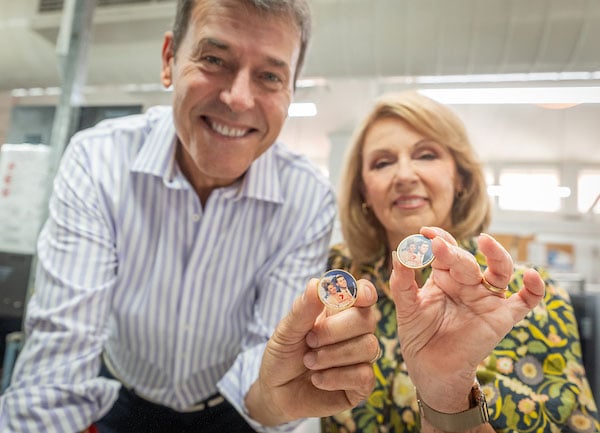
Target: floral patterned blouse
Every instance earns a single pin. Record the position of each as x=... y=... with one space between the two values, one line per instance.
x=534 y=380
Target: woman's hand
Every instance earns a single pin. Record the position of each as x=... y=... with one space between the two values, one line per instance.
x=453 y=322
x=317 y=364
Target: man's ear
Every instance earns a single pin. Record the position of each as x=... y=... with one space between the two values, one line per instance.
x=168 y=57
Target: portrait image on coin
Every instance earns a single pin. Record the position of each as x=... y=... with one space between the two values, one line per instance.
x=415 y=251
x=337 y=289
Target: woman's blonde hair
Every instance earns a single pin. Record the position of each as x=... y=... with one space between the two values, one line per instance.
x=363 y=233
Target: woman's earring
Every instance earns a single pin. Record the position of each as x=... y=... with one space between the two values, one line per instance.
x=459 y=194
x=365 y=208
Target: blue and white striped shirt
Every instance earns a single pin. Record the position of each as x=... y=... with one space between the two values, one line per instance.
x=182 y=298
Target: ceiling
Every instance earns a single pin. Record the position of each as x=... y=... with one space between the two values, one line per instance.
x=360 y=49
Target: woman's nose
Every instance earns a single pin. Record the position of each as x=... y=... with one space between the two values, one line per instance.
x=405 y=172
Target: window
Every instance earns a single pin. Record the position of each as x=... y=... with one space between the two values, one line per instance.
x=529 y=190
x=588 y=187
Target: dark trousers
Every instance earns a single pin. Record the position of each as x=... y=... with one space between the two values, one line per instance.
x=133 y=414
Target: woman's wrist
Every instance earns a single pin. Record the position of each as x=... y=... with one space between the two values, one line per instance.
x=474 y=417
x=449 y=396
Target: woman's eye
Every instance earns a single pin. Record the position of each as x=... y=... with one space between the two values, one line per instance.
x=379 y=164
x=427 y=156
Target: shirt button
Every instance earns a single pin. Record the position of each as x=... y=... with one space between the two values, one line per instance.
x=196 y=217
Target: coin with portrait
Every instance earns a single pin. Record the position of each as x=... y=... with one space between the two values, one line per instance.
x=337 y=289
x=415 y=251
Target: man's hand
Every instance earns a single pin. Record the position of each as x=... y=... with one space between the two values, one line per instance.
x=317 y=363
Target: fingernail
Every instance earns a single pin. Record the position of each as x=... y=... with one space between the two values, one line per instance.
x=316 y=379
x=312 y=340
x=310 y=359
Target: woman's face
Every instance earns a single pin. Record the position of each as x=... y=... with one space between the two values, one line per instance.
x=409 y=180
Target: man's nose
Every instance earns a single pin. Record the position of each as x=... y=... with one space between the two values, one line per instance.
x=239 y=95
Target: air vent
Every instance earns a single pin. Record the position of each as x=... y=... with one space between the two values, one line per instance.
x=57 y=5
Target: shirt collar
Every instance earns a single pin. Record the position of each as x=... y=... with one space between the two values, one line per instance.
x=262 y=178
x=157 y=157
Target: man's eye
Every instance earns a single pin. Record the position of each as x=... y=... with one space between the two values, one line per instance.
x=212 y=61
x=272 y=81
x=269 y=76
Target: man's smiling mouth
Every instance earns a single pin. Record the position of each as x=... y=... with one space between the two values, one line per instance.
x=227 y=131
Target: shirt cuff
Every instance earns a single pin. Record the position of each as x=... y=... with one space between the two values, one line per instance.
x=236 y=383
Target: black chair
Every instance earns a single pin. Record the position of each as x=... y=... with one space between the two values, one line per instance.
x=587 y=312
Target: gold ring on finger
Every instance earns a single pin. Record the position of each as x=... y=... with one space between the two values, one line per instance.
x=495 y=290
x=377 y=356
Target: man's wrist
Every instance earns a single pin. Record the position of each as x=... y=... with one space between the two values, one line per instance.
x=260 y=411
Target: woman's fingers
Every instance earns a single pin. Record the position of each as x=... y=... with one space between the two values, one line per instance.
x=500 y=265
x=459 y=264
x=529 y=296
x=431 y=232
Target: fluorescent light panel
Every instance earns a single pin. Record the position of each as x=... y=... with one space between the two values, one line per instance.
x=302 y=109
x=494 y=78
x=516 y=95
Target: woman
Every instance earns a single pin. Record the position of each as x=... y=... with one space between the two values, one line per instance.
x=411 y=169
x=409 y=254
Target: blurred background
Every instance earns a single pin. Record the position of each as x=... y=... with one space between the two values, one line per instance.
x=524 y=75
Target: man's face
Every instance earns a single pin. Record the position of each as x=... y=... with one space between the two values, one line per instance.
x=341 y=281
x=232 y=79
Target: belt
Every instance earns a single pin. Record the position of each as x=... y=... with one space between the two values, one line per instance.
x=211 y=401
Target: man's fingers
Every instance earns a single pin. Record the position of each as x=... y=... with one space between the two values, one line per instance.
x=362 y=349
x=300 y=320
x=358 y=378
x=347 y=324
x=366 y=293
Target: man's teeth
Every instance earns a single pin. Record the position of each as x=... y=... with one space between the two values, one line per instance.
x=228 y=131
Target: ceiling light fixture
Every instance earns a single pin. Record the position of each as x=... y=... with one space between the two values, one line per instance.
x=302 y=109
x=493 y=78
x=516 y=95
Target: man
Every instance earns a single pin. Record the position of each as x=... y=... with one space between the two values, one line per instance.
x=424 y=254
x=345 y=294
x=161 y=262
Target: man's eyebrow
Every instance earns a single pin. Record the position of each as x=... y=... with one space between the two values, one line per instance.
x=277 y=63
x=211 y=42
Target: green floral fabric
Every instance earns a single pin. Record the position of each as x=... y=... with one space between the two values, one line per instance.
x=534 y=381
